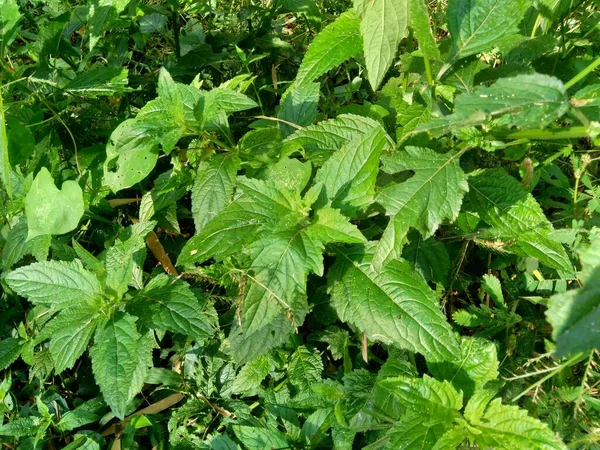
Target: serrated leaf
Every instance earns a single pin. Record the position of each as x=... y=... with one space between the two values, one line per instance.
x=574 y=314
x=335 y=44
x=26 y=426
x=213 y=187
x=393 y=305
x=516 y=218
x=429 y=257
x=438 y=400
x=120 y=359
x=258 y=206
x=384 y=23
x=419 y=23
x=491 y=285
x=50 y=210
x=320 y=141
x=244 y=346
x=476 y=25
x=349 y=176
x=260 y=438
x=413 y=433
x=252 y=375
x=167 y=303
x=305 y=368
x=57 y=284
x=289 y=173
x=525 y=101
x=479 y=401
x=101 y=15
x=298 y=106
x=10 y=349
x=99 y=82
x=280 y=265
x=86 y=413
x=478 y=364
x=433 y=194
x=452 y=439
x=507 y=427
x=9 y=19
x=330 y=225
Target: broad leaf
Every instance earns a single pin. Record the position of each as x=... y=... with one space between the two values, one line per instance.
x=330 y=225
x=260 y=438
x=320 y=141
x=478 y=364
x=252 y=375
x=574 y=314
x=419 y=23
x=298 y=106
x=258 y=205
x=384 y=23
x=516 y=218
x=507 y=427
x=10 y=349
x=57 y=284
x=349 y=176
x=525 y=101
x=335 y=44
x=413 y=433
x=277 y=278
x=305 y=368
x=213 y=187
x=476 y=25
x=169 y=304
x=432 y=195
x=9 y=19
x=429 y=257
x=393 y=305
x=101 y=15
x=88 y=412
x=50 y=210
x=244 y=346
x=120 y=359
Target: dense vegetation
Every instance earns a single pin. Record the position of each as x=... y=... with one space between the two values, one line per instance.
x=303 y=224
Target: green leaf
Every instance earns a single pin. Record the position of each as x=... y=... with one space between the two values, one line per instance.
x=452 y=439
x=213 y=107
x=261 y=205
x=413 y=433
x=121 y=258
x=335 y=44
x=86 y=413
x=252 y=375
x=57 y=284
x=478 y=364
x=213 y=187
x=516 y=218
x=525 y=101
x=393 y=305
x=574 y=314
x=507 y=427
x=419 y=23
x=435 y=399
x=320 y=141
x=433 y=194
x=70 y=340
x=10 y=349
x=280 y=265
x=5 y=168
x=102 y=14
x=289 y=173
x=244 y=346
x=260 y=438
x=330 y=225
x=477 y=25
x=305 y=368
x=9 y=19
x=99 y=82
x=383 y=25
x=50 y=210
x=429 y=257
x=167 y=303
x=120 y=359
x=26 y=426
x=298 y=106
x=491 y=285
x=349 y=176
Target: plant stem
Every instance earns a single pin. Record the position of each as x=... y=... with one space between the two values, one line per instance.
x=549 y=134
x=577 y=78
x=428 y=70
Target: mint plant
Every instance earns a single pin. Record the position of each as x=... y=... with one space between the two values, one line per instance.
x=299 y=224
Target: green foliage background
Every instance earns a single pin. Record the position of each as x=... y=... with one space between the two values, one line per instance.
x=299 y=224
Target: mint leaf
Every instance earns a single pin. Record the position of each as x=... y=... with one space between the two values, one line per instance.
x=336 y=43
x=433 y=194
x=50 y=210
x=516 y=218
x=57 y=284
x=213 y=187
x=383 y=25
x=120 y=358
x=393 y=305
x=349 y=176
x=167 y=303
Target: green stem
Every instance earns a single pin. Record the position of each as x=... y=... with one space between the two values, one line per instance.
x=549 y=134
x=4 y=161
x=536 y=25
x=577 y=78
x=428 y=70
